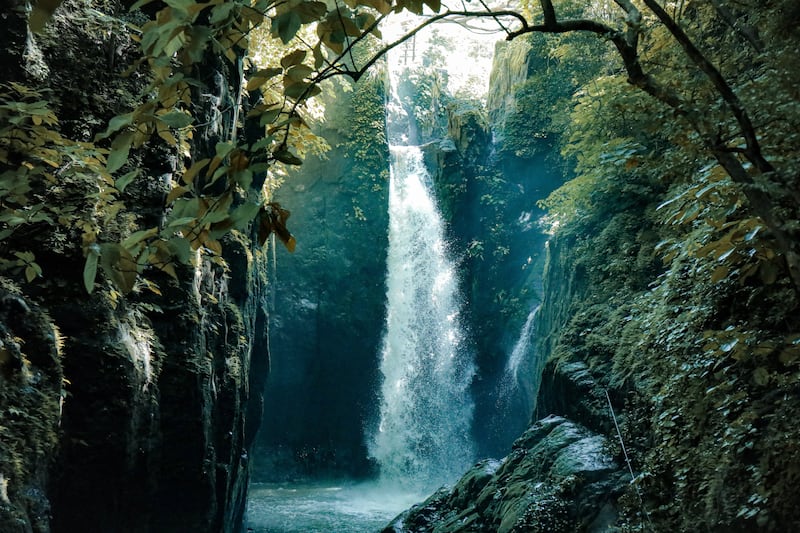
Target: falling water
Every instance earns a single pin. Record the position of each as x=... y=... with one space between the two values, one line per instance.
x=426 y=411
x=521 y=348
x=517 y=387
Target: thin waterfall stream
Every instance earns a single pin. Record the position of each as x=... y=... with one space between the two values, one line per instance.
x=517 y=388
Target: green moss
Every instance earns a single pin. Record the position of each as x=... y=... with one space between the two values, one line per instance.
x=705 y=369
x=30 y=400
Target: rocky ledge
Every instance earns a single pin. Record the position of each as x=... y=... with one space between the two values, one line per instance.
x=559 y=476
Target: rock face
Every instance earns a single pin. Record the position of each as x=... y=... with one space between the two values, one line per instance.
x=328 y=309
x=558 y=477
x=156 y=434
x=131 y=413
x=159 y=409
x=30 y=403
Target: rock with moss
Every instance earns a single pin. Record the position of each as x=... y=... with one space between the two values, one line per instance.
x=559 y=476
x=152 y=425
x=31 y=393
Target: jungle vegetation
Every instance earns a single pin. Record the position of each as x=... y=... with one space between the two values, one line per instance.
x=714 y=72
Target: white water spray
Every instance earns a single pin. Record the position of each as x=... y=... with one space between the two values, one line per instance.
x=521 y=347
x=426 y=410
x=517 y=387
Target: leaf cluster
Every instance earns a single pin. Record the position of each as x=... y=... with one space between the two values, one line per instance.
x=49 y=185
x=260 y=127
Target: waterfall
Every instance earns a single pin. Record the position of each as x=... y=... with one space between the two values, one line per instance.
x=423 y=438
x=517 y=387
x=520 y=350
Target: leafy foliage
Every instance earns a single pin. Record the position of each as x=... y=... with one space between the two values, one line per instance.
x=682 y=302
x=48 y=182
x=260 y=115
x=257 y=119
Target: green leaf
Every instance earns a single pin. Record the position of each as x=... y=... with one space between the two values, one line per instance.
x=262 y=76
x=310 y=11
x=414 y=6
x=90 y=269
x=293 y=58
x=182 y=5
x=244 y=214
x=244 y=178
x=382 y=6
x=261 y=144
x=119 y=266
x=180 y=248
x=120 y=149
x=299 y=90
x=331 y=34
x=25 y=257
x=176 y=119
x=140 y=4
x=223 y=149
x=299 y=72
x=221 y=12
x=182 y=221
x=116 y=124
x=365 y=20
x=137 y=237
x=176 y=192
x=30 y=273
x=191 y=173
x=125 y=180
x=286 y=26
x=199 y=37
x=319 y=59
x=269 y=116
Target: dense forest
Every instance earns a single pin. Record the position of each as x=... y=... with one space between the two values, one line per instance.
x=626 y=190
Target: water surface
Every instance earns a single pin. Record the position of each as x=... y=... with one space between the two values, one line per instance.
x=325 y=507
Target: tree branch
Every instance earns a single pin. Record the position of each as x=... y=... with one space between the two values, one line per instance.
x=357 y=73
x=753 y=152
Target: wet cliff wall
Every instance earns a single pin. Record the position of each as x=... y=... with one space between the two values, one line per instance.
x=120 y=412
x=328 y=310
x=489 y=171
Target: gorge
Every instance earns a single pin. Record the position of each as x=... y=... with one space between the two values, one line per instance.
x=562 y=297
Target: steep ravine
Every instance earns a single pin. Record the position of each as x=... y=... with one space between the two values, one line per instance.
x=327 y=314
x=667 y=396
x=630 y=352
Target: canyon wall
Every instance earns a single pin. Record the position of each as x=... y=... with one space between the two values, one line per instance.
x=327 y=312
x=120 y=412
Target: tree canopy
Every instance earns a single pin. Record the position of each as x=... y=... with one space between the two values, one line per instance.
x=193 y=67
